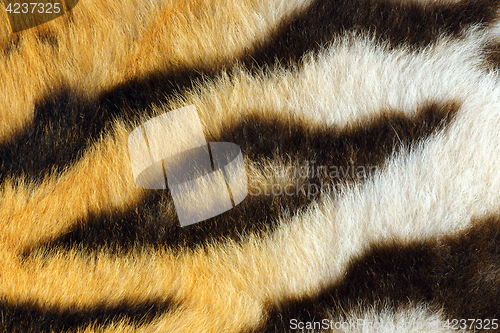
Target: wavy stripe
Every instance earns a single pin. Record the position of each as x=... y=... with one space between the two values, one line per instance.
x=34 y=318
x=456 y=274
x=66 y=122
x=329 y=156
x=328 y=92
x=101 y=45
x=399 y=23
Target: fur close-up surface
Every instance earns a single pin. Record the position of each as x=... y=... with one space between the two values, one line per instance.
x=369 y=133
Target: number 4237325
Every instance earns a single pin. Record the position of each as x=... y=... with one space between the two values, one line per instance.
x=472 y=324
x=34 y=7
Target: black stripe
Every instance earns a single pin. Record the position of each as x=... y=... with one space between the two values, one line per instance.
x=368 y=142
x=62 y=126
x=28 y=317
x=398 y=22
x=458 y=273
x=65 y=124
x=147 y=223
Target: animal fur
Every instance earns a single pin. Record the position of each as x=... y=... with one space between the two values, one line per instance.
x=391 y=107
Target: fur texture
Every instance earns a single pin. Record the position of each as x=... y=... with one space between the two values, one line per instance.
x=369 y=130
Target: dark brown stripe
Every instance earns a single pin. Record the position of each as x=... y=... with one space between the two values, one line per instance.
x=23 y=318
x=368 y=142
x=400 y=23
x=369 y=145
x=458 y=273
x=65 y=124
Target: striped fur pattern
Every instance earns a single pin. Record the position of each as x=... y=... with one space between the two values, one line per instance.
x=370 y=131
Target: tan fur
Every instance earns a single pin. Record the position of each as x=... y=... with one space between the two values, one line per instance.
x=108 y=43
x=226 y=287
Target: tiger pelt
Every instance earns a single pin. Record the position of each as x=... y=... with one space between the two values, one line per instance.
x=370 y=137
